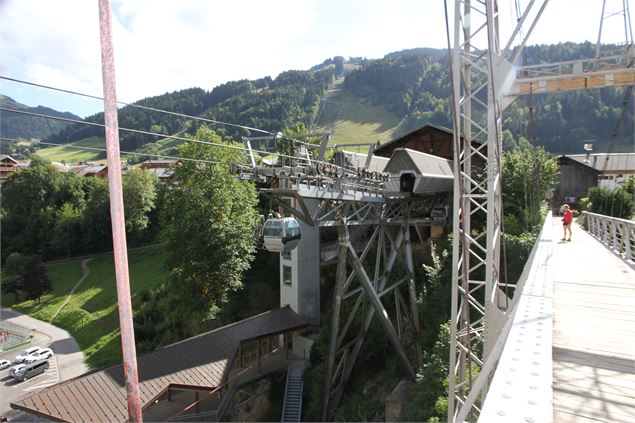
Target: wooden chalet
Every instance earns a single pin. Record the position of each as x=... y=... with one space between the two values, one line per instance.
x=158 y=164
x=8 y=165
x=429 y=139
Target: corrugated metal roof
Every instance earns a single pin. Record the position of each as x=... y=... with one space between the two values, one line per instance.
x=161 y=172
x=425 y=164
x=613 y=162
x=202 y=361
x=90 y=169
x=358 y=160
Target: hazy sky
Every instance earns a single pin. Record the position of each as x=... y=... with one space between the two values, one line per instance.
x=167 y=45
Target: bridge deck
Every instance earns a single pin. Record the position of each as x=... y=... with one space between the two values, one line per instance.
x=593 y=331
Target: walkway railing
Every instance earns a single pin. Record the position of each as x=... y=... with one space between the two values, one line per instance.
x=617 y=234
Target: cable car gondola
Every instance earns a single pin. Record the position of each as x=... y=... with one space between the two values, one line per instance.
x=281 y=234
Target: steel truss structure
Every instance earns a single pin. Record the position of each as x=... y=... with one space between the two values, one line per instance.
x=374 y=237
x=374 y=294
x=484 y=83
x=364 y=288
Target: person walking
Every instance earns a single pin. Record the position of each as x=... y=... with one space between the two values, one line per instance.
x=566 y=222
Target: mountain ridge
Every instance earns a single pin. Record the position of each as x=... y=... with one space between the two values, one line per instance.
x=403 y=90
x=15 y=125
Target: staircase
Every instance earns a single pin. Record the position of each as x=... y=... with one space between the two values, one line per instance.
x=292 y=408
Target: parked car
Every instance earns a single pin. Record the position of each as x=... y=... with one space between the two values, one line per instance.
x=27 y=353
x=4 y=364
x=42 y=354
x=22 y=372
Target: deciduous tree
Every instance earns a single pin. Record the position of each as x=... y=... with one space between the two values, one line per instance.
x=529 y=174
x=139 y=194
x=208 y=225
x=35 y=280
x=28 y=203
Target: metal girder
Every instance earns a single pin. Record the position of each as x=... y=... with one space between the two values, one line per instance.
x=329 y=211
x=372 y=288
x=479 y=77
x=382 y=313
x=608 y=71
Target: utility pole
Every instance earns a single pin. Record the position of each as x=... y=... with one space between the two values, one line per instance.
x=111 y=125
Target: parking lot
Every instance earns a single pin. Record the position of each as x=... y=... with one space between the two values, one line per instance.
x=50 y=377
x=67 y=362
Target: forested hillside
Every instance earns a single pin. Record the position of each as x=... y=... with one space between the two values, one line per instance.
x=405 y=90
x=13 y=125
x=415 y=83
x=285 y=102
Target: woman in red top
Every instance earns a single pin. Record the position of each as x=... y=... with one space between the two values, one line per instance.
x=566 y=222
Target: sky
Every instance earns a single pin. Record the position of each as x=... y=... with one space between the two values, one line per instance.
x=167 y=45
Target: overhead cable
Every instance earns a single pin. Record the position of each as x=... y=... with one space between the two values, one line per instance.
x=139 y=106
x=152 y=109
x=135 y=153
x=155 y=134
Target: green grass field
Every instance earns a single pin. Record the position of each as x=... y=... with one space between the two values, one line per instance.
x=354 y=123
x=68 y=154
x=91 y=315
x=164 y=146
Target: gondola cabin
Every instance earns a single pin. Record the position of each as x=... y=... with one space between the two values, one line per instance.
x=281 y=234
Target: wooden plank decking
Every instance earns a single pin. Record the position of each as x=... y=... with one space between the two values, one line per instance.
x=593 y=332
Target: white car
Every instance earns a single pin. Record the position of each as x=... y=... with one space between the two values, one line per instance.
x=4 y=364
x=42 y=354
x=29 y=352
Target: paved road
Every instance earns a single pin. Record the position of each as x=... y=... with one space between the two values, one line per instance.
x=68 y=361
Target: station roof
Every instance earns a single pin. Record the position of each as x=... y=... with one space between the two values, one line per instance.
x=425 y=164
x=201 y=362
x=611 y=162
x=358 y=160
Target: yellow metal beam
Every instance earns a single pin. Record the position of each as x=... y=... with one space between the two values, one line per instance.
x=568 y=82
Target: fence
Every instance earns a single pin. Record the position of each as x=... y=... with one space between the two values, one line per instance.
x=617 y=234
x=12 y=335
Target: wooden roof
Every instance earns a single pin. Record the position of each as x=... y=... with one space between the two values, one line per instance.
x=5 y=158
x=401 y=141
x=603 y=162
x=201 y=362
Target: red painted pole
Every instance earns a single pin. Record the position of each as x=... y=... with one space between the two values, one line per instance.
x=117 y=213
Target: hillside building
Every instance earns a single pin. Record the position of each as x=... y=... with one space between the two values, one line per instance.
x=162 y=169
x=158 y=164
x=429 y=139
x=94 y=170
x=8 y=165
x=579 y=172
x=190 y=380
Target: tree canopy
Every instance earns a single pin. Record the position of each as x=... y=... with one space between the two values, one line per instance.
x=529 y=175
x=207 y=223
x=57 y=214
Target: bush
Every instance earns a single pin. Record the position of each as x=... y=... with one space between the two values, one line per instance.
x=616 y=202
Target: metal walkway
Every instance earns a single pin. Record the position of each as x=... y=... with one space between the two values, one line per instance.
x=593 y=331
x=569 y=352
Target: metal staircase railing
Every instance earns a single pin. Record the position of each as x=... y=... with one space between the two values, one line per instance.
x=292 y=407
